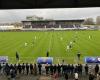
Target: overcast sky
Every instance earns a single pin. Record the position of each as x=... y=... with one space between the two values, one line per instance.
x=17 y=15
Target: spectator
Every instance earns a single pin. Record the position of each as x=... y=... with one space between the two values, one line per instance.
x=68 y=68
x=66 y=76
x=80 y=69
x=39 y=67
x=23 y=68
x=59 y=69
x=76 y=76
x=31 y=68
x=47 y=68
x=27 y=68
x=7 y=70
x=11 y=66
x=63 y=68
x=54 y=68
x=35 y=69
x=51 y=69
x=55 y=76
x=13 y=74
x=86 y=69
x=72 y=69
x=98 y=76
x=19 y=68
x=76 y=69
x=91 y=76
x=15 y=67
x=96 y=69
x=3 y=67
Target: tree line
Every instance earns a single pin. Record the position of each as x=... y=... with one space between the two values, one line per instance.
x=91 y=21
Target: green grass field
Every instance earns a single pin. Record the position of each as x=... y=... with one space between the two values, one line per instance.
x=10 y=42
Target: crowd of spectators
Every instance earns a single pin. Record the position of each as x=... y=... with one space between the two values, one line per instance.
x=55 y=70
x=43 y=25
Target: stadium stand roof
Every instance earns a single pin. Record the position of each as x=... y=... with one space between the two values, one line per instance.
x=78 y=20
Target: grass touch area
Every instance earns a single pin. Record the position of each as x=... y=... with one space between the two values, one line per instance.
x=54 y=41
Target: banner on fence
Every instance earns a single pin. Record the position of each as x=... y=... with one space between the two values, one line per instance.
x=3 y=59
x=45 y=60
x=92 y=59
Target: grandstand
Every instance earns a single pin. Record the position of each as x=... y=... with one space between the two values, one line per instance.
x=49 y=24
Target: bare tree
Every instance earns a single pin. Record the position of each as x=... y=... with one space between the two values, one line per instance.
x=89 y=21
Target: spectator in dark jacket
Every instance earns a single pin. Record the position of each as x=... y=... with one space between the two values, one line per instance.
x=13 y=74
x=80 y=69
x=39 y=67
x=3 y=67
x=98 y=76
x=76 y=69
x=59 y=69
x=66 y=76
x=54 y=68
x=19 y=68
x=47 y=68
x=27 y=68
x=23 y=68
x=11 y=66
x=51 y=69
x=86 y=69
x=91 y=76
x=7 y=69
x=68 y=68
x=35 y=69
x=63 y=68
x=72 y=69
x=96 y=69
x=31 y=68
x=15 y=68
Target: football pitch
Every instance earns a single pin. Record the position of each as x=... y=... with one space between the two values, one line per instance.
x=39 y=42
